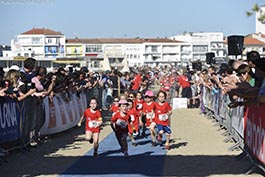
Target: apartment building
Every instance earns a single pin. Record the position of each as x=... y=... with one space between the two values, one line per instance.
x=195 y=45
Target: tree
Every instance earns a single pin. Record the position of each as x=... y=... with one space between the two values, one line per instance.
x=255 y=9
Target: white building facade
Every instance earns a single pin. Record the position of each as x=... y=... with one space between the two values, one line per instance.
x=194 y=46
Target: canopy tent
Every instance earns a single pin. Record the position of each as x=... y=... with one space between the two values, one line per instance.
x=105 y=63
x=125 y=65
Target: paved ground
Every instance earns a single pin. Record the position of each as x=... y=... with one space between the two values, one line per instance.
x=197 y=150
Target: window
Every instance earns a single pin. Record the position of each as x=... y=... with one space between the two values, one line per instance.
x=93 y=48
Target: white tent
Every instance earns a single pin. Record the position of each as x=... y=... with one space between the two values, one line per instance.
x=125 y=65
x=106 y=64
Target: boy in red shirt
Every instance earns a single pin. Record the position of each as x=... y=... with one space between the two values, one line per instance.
x=133 y=126
x=162 y=113
x=93 y=123
x=115 y=106
x=149 y=114
x=120 y=122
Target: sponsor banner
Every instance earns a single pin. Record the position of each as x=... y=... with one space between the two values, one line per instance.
x=255 y=131
x=62 y=114
x=11 y=118
x=179 y=103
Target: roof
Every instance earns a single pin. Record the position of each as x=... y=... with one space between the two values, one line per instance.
x=252 y=41
x=44 y=31
x=120 y=40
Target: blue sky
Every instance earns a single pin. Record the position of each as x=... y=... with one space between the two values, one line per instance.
x=126 y=18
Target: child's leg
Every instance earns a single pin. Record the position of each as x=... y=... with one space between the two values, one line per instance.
x=96 y=140
x=89 y=136
x=124 y=143
x=168 y=132
x=153 y=132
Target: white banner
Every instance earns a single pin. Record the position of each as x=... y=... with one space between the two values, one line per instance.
x=179 y=103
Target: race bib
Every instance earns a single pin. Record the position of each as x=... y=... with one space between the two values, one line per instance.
x=162 y=117
x=92 y=124
x=121 y=123
x=132 y=118
x=149 y=115
x=139 y=106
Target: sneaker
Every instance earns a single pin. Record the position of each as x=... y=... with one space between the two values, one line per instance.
x=167 y=147
x=33 y=143
x=91 y=141
x=134 y=144
x=159 y=137
x=153 y=144
x=126 y=155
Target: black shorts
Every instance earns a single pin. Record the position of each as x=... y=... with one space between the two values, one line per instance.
x=186 y=92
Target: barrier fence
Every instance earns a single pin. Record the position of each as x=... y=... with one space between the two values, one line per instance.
x=245 y=125
x=18 y=119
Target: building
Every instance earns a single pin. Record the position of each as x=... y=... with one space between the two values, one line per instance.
x=196 y=45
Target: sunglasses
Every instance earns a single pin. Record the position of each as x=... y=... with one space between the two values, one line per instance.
x=115 y=100
x=240 y=74
x=147 y=97
x=131 y=96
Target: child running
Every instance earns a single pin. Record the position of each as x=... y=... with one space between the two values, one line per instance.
x=120 y=122
x=93 y=123
x=149 y=114
x=138 y=105
x=162 y=112
x=133 y=126
x=115 y=106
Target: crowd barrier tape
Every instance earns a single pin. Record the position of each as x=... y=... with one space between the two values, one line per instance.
x=246 y=125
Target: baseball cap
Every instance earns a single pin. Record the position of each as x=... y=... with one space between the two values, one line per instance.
x=123 y=102
x=149 y=93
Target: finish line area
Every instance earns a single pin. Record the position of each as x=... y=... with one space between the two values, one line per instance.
x=143 y=160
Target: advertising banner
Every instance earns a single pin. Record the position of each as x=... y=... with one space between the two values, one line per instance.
x=11 y=118
x=255 y=131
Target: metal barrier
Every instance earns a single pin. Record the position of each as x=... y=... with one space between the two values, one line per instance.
x=244 y=125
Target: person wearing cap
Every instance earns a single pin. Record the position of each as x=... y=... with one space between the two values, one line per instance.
x=93 y=122
x=162 y=112
x=149 y=114
x=120 y=122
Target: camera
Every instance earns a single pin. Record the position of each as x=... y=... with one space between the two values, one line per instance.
x=31 y=85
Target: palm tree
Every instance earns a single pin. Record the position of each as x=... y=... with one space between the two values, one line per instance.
x=256 y=8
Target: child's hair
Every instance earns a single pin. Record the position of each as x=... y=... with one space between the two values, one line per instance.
x=93 y=98
x=161 y=91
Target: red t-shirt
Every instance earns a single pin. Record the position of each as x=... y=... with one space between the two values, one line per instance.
x=136 y=82
x=92 y=120
x=121 y=122
x=114 y=108
x=184 y=81
x=138 y=104
x=134 y=118
x=148 y=109
x=161 y=111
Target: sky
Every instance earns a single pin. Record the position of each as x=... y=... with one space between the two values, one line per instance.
x=126 y=18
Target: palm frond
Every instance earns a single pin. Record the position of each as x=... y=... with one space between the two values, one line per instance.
x=249 y=14
x=255 y=8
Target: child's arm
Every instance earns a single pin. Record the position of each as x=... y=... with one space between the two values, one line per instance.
x=80 y=121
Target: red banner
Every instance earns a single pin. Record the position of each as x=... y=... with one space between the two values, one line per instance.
x=254 y=129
